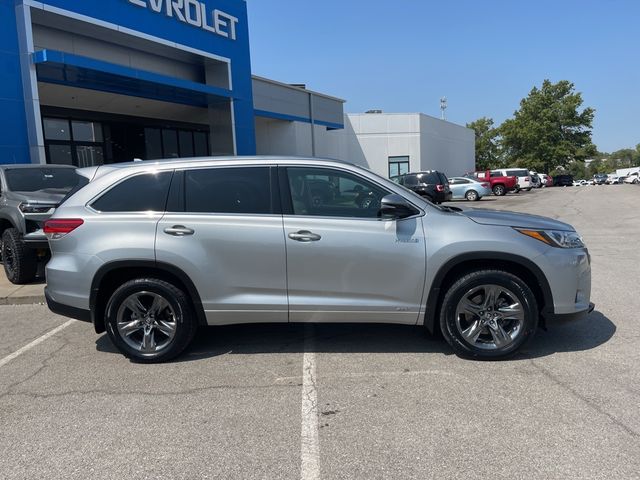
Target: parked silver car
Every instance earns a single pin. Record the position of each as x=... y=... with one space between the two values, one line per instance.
x=149 y=251
x=469 y=188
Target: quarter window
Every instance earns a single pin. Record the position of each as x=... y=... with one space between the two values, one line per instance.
x=239 y=190
x=332 y=193
x=142 y=193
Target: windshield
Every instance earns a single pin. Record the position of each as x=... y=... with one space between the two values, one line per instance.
x=58 y=180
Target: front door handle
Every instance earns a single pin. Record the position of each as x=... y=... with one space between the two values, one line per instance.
x=179 y=231
x=304 y=236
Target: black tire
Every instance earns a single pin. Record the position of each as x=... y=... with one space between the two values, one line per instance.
x=178 y=312
x=472 y=196
x=529 y=189
x=487 y=322
x=20 y=262
x=499 y=190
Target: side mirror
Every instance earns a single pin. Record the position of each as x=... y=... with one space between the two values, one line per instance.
x=394 y=206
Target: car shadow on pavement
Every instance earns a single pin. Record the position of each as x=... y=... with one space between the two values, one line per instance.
x=248 y=339
x=585 y=334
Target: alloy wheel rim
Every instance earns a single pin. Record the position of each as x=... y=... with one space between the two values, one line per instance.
x=471 y=196
x=146 y=322
x=489 y=317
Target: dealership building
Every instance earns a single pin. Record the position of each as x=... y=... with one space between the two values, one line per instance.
x=88 y=82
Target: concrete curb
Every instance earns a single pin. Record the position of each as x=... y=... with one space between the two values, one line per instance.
x=27 y=300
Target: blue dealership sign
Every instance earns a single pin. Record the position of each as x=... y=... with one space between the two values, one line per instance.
x=211 y=28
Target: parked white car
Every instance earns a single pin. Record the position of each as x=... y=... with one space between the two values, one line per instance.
x=613 y=180
x=633 y=178
x=524 y=178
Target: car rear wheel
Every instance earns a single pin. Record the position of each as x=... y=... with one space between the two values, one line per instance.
x=472 y=195
x=150 y=320
x=488 y=315
x=499 y=190
x=20 y=262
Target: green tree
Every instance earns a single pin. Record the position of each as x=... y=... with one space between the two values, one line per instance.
x=625 y=157
x=486 y=145
x=577 y=169
x=549 y=130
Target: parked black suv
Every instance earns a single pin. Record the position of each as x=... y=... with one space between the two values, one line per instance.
x=563 y=181
x=432 y=185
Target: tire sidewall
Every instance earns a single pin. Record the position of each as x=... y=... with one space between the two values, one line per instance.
x=180 y=306
x=499 y=190
x=473 y=194
x=25 y=262
x=475 y=279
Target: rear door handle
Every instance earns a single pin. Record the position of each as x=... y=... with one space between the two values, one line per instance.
x=179 y=231
x=304 y=236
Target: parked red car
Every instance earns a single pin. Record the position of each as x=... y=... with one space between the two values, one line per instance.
x=500 y=184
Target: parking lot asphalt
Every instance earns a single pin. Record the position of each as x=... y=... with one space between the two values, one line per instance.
x=342 y=401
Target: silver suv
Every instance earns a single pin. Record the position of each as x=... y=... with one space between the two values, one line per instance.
x=149 y=251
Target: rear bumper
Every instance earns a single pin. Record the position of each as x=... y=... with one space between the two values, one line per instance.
x=66 y=310
x=560 y=318
x=36 y=239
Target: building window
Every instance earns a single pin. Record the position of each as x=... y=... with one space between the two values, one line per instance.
x=73 y=142
x=173 y=143
x=398 y=166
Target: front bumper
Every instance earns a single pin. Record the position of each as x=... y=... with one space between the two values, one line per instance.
x=560 y=318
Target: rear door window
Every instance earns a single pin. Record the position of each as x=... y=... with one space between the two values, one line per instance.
x=233 y=190
x=410 y=181
x=141 y=193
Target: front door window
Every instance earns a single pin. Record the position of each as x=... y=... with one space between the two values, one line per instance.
x=332 y=193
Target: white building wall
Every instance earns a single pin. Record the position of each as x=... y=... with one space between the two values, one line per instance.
x=446 y=147
x=370 y=139
x=280 y=137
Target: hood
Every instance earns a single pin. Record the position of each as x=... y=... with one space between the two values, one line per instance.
x=514 y=219
x=50 y=196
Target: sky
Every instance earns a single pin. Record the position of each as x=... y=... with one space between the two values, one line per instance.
x=484 y=56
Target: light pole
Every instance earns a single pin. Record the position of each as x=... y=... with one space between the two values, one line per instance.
x=443 y=107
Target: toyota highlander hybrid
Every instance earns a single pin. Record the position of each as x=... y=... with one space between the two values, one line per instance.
x=150 y=251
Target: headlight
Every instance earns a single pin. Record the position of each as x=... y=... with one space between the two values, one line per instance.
x=555 y=238
x=33 y=208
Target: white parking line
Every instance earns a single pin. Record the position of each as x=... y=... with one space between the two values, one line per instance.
x=36 y=342
x=310 y=444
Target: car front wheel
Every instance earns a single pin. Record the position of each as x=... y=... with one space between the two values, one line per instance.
x=150 y=320
x=488 y=315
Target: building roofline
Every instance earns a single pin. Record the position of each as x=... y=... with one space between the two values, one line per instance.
x=298 y=89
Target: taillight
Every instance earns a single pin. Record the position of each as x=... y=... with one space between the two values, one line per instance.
x=439 y=188
x=485 y=185
x=526 y=179
x=59 y=227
